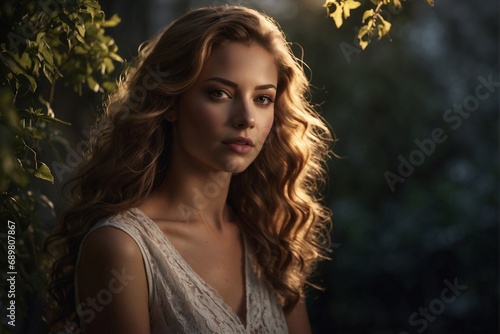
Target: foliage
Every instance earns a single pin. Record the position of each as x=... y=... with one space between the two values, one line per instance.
x=374 y=24
x=41 y=42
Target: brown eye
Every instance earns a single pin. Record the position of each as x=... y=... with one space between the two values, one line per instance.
x=218 y=94
x=264 y=99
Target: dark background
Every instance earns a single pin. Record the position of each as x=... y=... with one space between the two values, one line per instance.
x=396 y=249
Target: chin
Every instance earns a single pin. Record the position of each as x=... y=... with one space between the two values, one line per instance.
x=234 y=167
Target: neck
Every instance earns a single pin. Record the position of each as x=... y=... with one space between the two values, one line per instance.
x=192 y=194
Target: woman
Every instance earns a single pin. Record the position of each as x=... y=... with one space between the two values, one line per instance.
x=195 y=211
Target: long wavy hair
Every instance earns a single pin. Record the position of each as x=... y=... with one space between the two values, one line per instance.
x=275 y=197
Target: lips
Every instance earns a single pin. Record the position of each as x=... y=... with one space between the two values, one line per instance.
x=239 y=144
x=239 y=141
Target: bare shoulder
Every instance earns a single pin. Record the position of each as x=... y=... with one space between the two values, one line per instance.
x=110 y=244
x=112 y=284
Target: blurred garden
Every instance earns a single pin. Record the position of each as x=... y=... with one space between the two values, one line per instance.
x=413 y=191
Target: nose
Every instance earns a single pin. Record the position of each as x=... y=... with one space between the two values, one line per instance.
x=242 y=115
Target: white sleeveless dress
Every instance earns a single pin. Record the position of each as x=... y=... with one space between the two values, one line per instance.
x=180 y=301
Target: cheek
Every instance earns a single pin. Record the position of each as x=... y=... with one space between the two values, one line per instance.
x=203 y=119
x=266 y=127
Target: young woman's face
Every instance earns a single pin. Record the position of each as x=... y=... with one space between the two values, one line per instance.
x=224 y=119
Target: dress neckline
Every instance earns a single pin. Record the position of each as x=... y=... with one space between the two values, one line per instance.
x=212 y=291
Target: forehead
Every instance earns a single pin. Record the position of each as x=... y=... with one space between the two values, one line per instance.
x=241 y=63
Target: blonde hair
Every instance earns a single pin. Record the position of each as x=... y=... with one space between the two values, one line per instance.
x=280 y=213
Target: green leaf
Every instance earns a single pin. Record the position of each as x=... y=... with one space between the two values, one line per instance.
x=328 y=3
x=63 y=38
x=48 y=71
x=116 y=57
x=348 y=5
x=108 y=65
x=27 y=80
x=93 y=85
x=43 y=172
x=64 y=18
x=40 y=36
x=80 y=39
x=81 y=29
x=92 y=4
x=112 y=22
x=383 y=28
x=47 y=53
x=108 y=86
x=25 y=61
x=367 y=14
x=365 y=30
x=92 y=8
x=337 y=15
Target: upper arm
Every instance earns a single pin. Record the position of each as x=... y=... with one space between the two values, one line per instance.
x=297 y=319
x=112 y=284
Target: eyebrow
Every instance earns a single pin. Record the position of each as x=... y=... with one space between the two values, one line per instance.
x=235 y=85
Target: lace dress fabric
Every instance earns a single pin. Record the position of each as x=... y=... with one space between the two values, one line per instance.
x=180 y=301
